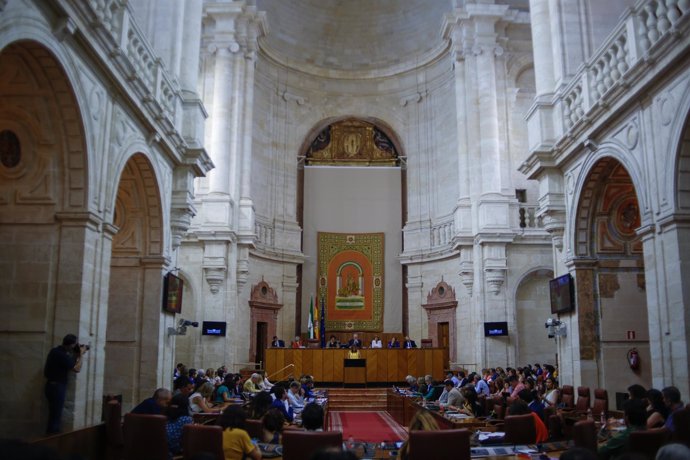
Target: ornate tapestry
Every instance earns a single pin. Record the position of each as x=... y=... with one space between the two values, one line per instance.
x=352 y=143
x=350 y=279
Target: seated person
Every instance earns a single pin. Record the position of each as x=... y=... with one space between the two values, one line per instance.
x=281 y=403
x=178 y=416
x=353 y=353
x=673 y=403
x=533 y=404
x=376 y=343
x=657 y=412
x=277 y=343
x=252 y=384
x=355 y=341
x=199 y=401
x=259 y=405
x=237 y=444
x=470 y=404
x=520 y=407
x=451 y=395
x=429 y=382
x=224 y=391
x=156 y=404
x=394 y=343
x=297 y=343
x=296 y=396
x=412 y=382
x=552 y=394
x=409 y=343
x=272 y=424
x=635 y=419
x=183 y=385
x=264 y=384
x=307 y=382
x=333 y=343
x=312 y=417
x=421 y=421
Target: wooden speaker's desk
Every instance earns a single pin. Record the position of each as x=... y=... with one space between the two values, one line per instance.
x=355 y=371
x=382 y=365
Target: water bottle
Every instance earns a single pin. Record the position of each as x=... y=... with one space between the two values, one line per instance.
x=350 y=442
x=589 y=414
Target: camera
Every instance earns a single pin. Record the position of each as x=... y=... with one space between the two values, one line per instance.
x=78 y=347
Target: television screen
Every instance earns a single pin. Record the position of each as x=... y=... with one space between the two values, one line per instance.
x=172 y=293
x=495 y=329
x=213 y=328
x=562 y=292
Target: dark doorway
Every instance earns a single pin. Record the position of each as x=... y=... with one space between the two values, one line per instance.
x=443 y=334
x=261 y=342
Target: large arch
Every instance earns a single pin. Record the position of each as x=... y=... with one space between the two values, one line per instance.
x=531 y=296
x=609 y=271
x=135 y=340
x=47 y=231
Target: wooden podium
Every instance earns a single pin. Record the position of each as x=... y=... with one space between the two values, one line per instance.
x=355 y=371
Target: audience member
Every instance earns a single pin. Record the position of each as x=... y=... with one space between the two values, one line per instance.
x=178 y=416
x=673 y=451
x=470 y=402
x=259 y=405
x=236 y=442
x=533 y=404
x=199 y=401
x=277 y=343
x=224 y=392
x=252 y=384
x=462 y=379
x=183 y=385
x=481 y=387
x=635 y=419
x=636 y=391
x=451 y=376
x=412 y=382
x=421 y=421
x=312 y=417
x=295 y=396
x=297 y=343
x=517 y=387
x=156 y=404
x=673 y=403
x=281 y=403
x=394 y=343
x=552 y=394
x=656 y=410
x=272 y=424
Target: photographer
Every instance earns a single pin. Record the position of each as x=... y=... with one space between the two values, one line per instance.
x=61 y=361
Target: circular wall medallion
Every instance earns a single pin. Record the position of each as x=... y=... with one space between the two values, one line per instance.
x=441 y=291
x=10 y=149
x=627 y=217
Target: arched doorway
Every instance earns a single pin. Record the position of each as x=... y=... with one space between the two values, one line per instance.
x=610 y=280
x=43 y=231
x=352 y=180
x=532 y=309
x=135 y=338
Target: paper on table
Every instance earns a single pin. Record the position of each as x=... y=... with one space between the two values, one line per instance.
x=484 y=435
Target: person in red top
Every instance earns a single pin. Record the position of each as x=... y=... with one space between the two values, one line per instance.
x=297 y=343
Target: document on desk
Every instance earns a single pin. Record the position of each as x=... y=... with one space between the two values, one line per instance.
x=486 y=435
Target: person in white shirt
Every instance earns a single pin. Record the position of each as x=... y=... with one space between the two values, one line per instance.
x=295 y=397
x=376 y=343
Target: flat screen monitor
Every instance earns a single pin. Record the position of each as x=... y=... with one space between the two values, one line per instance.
x=172 y=293
x=216 y=328
x=562 y=293
x=495 y=329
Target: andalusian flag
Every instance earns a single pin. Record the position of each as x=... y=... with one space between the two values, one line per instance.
x=311 y=318
x=317 y=332
x=322 y=323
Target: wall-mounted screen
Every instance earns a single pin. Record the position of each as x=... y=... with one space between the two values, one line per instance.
x=495 y=329
x=172 y=293
x=216 y=328
x=562 y=292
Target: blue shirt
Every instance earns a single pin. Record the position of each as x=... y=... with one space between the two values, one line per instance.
x=147 y=406
x=280 y=405
x=173 y=431
x=482 y=388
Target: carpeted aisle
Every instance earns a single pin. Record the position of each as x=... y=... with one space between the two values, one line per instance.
x=375 y=426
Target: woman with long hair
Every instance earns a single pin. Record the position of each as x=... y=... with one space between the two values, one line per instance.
x=656 y=410
x=178 y=417
x=421 y=421
x=237 y=445
x=199 y=401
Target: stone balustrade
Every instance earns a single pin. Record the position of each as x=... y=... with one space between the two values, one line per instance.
x=643 y=28
x=441 y=234
x=265 y=233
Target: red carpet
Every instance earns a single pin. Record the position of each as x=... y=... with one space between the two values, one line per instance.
x=367 y=426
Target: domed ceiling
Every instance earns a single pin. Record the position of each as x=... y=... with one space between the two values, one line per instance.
x=352 y=35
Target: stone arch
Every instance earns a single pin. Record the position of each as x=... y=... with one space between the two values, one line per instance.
x=134 y=364
x=44 y=221
x=532 y=308
x=681 y=176
x=589 y=173
x=609 y=275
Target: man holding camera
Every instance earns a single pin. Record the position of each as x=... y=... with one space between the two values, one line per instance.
x=61 y=360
